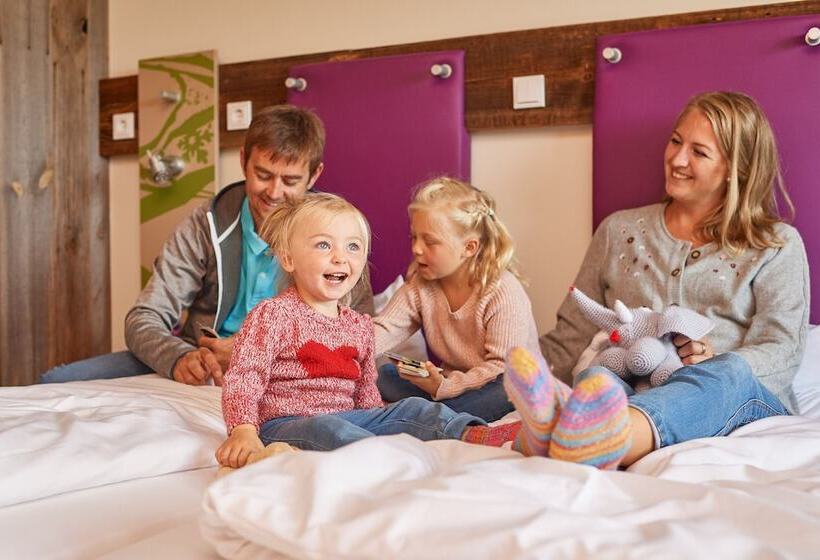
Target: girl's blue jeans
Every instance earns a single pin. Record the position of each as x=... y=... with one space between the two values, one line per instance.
x=488 y=402
x=712 y=398
x=417 y=417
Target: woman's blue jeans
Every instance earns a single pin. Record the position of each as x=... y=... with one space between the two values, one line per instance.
x=489 y=402
x=712 y=398
x=417 y=417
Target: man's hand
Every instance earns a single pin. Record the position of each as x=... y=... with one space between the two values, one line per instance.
x=428 y=384
x=693 y=351
x=235 y=450
x=197 y=366
x=220 y=347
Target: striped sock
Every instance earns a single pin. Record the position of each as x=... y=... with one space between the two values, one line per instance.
x=495 y=436
x=593 y=427
x=532 y=389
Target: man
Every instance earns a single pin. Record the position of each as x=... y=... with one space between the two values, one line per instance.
x=214 y=266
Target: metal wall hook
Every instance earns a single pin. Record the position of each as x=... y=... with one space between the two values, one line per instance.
x=813 y=37
x=613 y=55
x=173 y=96
x=441 y=70
x=299 y=84
x=164 y=169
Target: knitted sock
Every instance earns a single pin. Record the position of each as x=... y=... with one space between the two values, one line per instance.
x=537 y=398
x=494 y=436
x=594 y=426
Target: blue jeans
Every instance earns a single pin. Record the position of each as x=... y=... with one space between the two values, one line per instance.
x=489 y=402
x=712 y=398
x=105 y=366
x=417 y=417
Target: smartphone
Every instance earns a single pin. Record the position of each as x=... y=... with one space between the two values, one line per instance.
x=404 y=359
x=208 y=331
x=409 y=365
x=412 y=370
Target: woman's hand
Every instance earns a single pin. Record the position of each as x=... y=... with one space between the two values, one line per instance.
x=235 y=450
x=693 y=351
x=429 y=384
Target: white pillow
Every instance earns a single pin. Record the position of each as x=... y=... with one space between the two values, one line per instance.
x=414 y=347
x=380 y=300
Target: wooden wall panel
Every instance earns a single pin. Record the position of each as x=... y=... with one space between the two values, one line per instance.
x=54 y=273
x=565 y=55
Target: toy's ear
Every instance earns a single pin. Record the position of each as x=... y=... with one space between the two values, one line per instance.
x=684 y=321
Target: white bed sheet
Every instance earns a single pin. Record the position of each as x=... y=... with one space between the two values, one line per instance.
x=754 y=494
x=72 y=436
x=117 y=469
x=111 y=521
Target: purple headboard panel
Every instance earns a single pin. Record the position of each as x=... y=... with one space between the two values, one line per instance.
x=390 y=125
x=638 y=99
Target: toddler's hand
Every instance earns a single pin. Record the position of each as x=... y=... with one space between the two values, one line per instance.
x=235 y=450
x=429 y=384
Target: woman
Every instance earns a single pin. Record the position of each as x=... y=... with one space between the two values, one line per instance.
x=717 y=245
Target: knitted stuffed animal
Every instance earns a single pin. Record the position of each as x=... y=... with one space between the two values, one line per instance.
x=640 y=340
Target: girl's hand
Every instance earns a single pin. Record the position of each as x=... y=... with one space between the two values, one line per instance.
x=693 y=351
x=235 y=450
x=428 y=384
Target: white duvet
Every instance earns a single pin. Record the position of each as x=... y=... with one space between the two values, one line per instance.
x=71 y=436
x=754 y=494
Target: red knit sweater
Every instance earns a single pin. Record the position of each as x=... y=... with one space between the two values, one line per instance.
x=290 y=360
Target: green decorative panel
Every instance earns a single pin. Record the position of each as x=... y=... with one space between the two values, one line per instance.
x=178 y=131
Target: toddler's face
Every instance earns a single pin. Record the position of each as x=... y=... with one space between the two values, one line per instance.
x=326 y=258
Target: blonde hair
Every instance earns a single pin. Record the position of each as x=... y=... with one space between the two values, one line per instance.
x=747 y=216
x=278 y=227
x=471 y=210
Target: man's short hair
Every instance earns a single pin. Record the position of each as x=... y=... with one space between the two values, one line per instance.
x=289 y=133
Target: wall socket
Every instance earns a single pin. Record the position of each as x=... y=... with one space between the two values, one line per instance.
x=122 y=126
x=238 y=115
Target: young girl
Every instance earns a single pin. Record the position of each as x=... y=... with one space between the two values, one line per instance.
x=465 y=295
x=302 y=370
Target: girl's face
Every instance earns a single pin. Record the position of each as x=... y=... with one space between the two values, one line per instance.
x=438 y=248
x=326 y=256
x=695 y=169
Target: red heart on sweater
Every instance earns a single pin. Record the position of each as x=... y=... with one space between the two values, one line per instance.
x=321 y=361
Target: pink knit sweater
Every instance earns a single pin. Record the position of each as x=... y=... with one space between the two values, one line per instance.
x=472 y=341
x=290 y=360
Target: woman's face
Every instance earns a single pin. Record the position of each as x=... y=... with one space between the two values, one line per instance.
x=695 y=169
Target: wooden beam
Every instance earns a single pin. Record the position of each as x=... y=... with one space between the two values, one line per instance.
x=566 y=55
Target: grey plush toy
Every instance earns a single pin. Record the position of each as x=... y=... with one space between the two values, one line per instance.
x=640 y=340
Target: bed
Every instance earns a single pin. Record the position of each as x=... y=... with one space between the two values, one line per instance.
x=124 y=469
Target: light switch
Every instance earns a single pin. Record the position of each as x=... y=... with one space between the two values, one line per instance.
x=529 y=91
x=238 y=115
x=122 y=126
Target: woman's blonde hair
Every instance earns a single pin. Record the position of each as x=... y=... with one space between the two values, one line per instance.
x=278 y=227
x=747 y=216
x=471 y=211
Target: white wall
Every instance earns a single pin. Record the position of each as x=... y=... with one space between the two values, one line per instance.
x=542 y=179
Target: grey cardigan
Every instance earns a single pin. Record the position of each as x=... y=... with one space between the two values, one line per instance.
x=758 y=300
x=198 y=271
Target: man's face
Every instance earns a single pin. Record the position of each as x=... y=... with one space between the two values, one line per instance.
x=268 y=180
